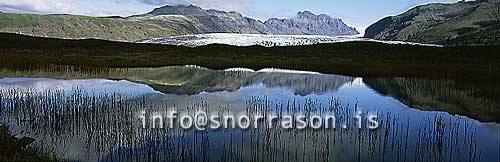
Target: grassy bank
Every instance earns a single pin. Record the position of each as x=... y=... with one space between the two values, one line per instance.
x=349 y=58
x=77 y=26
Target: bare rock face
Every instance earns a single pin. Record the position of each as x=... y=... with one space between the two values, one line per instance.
x=214 y=21
x=310 y=24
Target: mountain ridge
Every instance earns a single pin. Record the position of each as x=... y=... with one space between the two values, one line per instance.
x=163 y=21
x=321 y=24
x=308 y=23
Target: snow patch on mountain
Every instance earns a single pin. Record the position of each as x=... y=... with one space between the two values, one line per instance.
x=277 y=70
x=240 y=69
x=271 y=70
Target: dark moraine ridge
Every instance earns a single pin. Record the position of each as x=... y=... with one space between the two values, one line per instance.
x=348 y=58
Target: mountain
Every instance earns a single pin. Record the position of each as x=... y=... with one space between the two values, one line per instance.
x=204 y=21
x=462 y=23
x=310 y=24
x=214 y=21
x=167 y=21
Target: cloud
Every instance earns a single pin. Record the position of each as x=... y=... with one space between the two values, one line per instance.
x=37 y=6
x=56 y=6
x=227 y=5
x=245 y=7
x=413 y=3
x=73 y=7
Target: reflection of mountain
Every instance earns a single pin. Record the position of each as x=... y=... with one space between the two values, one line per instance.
x=192 y=80
x=188 y=80
x=478 y=101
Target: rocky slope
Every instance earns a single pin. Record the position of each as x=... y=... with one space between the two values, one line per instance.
x=204 y=21
x=214 y=21
x=462 y=23
x=167 y=21
x=310 y=24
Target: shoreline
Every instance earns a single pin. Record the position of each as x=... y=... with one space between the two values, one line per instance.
x=363 y=59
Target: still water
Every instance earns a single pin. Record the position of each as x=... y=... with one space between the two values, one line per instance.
x=93 y=116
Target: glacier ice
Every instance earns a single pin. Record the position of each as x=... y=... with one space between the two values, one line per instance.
x=259 y=39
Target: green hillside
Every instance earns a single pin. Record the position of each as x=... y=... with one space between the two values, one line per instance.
x=75 y=26
x=462 y=23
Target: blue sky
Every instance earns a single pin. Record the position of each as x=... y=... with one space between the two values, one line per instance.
x=357 y=13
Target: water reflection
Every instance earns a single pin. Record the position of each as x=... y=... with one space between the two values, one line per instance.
x=87 y=85
x=475 y=100
x=193 y=80
x=93 y=119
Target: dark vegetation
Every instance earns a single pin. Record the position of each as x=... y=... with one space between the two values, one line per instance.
x=15 y=149
x=349 y=58
x=495 y=14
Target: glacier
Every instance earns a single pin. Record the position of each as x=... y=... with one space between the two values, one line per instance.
x=261 y=40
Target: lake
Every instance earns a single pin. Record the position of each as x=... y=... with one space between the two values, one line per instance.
x=93 y=115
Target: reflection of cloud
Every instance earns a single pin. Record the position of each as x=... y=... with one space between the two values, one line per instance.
x=356 y=82
x=87 y=85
